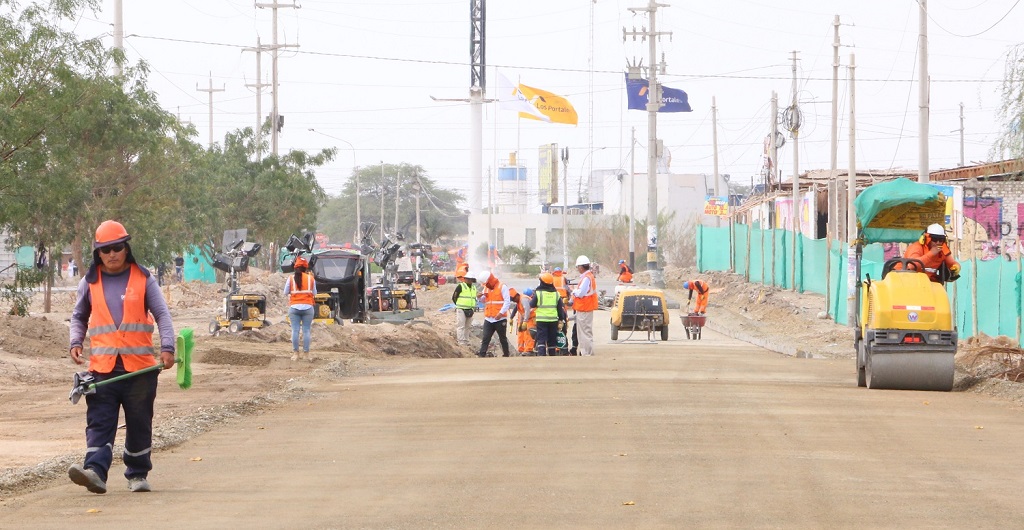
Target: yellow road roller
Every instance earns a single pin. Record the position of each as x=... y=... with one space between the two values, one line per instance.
x=905 y=333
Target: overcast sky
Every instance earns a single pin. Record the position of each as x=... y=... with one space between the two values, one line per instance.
x=365 y=71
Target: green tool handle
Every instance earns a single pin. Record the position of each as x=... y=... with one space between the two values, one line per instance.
x=155 y=368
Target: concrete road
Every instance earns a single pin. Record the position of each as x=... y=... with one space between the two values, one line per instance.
x=680 y=434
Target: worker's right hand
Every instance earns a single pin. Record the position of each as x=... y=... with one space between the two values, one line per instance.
x=76 y=354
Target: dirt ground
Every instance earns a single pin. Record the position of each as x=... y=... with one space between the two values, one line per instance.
x=41 y=433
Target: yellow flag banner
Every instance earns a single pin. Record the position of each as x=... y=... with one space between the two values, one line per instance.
x=557 y=108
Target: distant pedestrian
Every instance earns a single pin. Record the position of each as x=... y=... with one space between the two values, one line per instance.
x=179 y=268
x=73 y=267
x=497 y=304
x=301 y=292
x=464 y=299
x=585 y=303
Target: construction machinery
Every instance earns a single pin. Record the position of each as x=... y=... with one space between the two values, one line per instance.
x=240 y=311
x=905 y=334
x=390 y=300
x=639 y=309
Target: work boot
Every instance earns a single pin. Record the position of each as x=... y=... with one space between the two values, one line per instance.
x=295 y=356
x=138 y=484
x=84 y=476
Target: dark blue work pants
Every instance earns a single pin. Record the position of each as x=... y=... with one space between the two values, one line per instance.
x=547 y=338
x=136 y=396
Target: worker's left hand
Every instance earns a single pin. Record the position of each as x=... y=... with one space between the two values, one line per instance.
x=167 y=358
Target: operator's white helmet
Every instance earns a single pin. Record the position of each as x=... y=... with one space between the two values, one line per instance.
x=936 y=230
x=582 y=260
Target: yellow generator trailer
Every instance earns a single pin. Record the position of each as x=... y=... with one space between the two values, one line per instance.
x=905 y=333
x=639 y=309
x=241 y=311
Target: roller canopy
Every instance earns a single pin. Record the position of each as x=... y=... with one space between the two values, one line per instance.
x=898 y=211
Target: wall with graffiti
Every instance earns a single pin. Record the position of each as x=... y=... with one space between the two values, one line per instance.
x=991 y=214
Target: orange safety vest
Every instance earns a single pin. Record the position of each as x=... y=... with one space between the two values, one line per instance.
x=560 y=286
x=301 y=296
x=493 y=301
x=625 y=275
x=133 y=339
x=588 y=302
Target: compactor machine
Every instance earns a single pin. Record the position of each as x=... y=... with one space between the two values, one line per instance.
x=905 y=333
x=240 y=311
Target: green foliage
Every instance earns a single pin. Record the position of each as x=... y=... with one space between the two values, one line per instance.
x=439 y=217
x=519 y=254
x=18 y=293
x=1009 y=143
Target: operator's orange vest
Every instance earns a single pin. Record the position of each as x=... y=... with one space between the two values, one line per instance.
x=133 y=339
x=301 y=296
x=493 y=301
x=589 y=302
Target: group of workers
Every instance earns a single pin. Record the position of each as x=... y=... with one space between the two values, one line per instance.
x=539 y=315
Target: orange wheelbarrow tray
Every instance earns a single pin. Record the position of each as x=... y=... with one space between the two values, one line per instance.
x=693 y=323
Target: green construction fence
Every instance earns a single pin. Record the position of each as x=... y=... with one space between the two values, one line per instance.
x=987 y=298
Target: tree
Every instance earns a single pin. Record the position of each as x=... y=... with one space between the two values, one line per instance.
x=439 y=216
x=1010 y=143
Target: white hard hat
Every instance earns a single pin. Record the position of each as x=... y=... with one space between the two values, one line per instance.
x=936 y=230
x=470 y=275
x=483 y=277
x=582 y=260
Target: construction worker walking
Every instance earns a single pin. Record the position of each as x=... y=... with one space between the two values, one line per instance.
x=117 y=304
x=703 y=293
x=464 y=299
x=497 y=304
x=585 y=303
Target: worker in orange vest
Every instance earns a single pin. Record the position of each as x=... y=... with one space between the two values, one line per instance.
x=497 y=305
x=560 y=285
x=933 y=252
x=300 y=289
x=117 y=304
x=703 y=291
x=585 y=302
x=625 y=273
x=527 y=323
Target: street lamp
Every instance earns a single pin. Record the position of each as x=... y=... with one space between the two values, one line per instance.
x=355 y=172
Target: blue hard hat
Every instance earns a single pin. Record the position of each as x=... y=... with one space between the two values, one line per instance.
x=686 y=285
x=528 y=291
x=558 y=269
x=621 y=261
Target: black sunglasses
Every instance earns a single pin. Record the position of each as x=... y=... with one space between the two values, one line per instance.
x=112 y=248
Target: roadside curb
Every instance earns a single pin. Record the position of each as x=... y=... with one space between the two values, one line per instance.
x=760 y=342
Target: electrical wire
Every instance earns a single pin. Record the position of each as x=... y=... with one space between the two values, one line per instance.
x=982 y=32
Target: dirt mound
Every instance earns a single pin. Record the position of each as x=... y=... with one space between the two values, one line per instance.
x=34 y=336
x=217 y=355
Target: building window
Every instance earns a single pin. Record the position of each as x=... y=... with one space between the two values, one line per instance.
x=531 y=237
x=498 y=236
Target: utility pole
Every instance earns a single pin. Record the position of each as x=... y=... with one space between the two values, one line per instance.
x=118 y=32
x=653 y=105
x=477 y=94
x=794 y=129
x=773 y=150
x=565 y=207
x=419 y=258
x=714 y=149
x=258 y=85
x=923 y=174
x=833 y=197
x=210 y=91
x=398 y=190
x=382 y=188
x=632 y=199
x=275 y=121
x=851 y=194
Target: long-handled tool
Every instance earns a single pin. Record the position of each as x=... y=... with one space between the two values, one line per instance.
x=85 y=383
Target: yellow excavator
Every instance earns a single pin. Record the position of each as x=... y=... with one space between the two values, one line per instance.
x=905 y=333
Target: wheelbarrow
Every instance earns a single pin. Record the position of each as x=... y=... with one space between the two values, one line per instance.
x=693 y=323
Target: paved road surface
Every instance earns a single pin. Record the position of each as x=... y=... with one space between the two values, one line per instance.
x=713 y=433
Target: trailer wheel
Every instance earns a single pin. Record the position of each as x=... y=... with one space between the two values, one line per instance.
x=235 y=326
x=214 y=327
x=664 y=332
x=615 y=332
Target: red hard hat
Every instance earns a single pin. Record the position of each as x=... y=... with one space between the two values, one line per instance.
x=301 y=262
x=110 y=233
